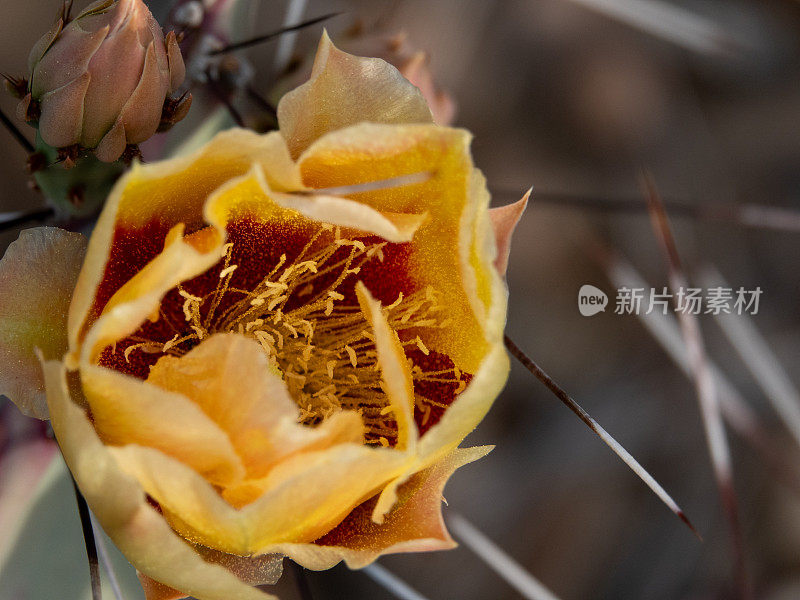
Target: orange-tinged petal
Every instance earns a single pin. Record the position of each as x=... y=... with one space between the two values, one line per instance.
x=126 y=410
x=414 y=525
x=37 y=277
x=228 y=377
x=344 y=90
x=306 y=495
x=504 y=221
x=120 y=505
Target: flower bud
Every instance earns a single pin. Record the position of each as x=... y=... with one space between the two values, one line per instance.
x=100 y=81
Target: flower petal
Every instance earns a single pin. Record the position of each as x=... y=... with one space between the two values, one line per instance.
x=177 y=68
x=126 y=410
x=141 y=114
x=62 y=113
x=306 y=495
x=345 y=90
x=37 y=276
x=453 y=250
x=504 y=221
x=414 y=525
x=120 y=506
x=395 y=373
x=113 y=144
x=229 y=378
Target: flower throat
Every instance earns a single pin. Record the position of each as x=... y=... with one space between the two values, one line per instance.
x=304 y=314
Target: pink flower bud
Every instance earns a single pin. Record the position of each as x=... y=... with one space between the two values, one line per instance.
x=101 y=81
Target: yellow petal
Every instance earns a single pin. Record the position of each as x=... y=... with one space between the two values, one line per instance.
x=453 y=250
x=414 y=525
x=126 y=410
x=120 y=506
x=395 y=373
x=344 y=90
x=306 y=495
x=228 y=377
x=37 y=277
x=252 y=197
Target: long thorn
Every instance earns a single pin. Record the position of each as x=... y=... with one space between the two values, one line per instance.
x=393 y=583
x=626 y=457
x=283 y=53
x=14 y=130
x=272 y=35
x=738 y=414
x=704 y=383
x=498 y=560
x=669 y=22
x=759 y=358
x=14 y=219
x=88 y=538
x=105 y=559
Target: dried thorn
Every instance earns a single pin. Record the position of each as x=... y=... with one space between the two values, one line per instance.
x=14 y=131
x=69 y=155
x=88 y=538
x=626 y=457
x=704 y=383
x=269 y=36
x=759 y=358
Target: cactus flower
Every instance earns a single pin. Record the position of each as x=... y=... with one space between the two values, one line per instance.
x=100 y=81
x=277 y=344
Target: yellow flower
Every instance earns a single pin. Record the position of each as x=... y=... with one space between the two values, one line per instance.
x=277 y=344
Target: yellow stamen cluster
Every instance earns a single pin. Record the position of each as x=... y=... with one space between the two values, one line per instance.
x=322 y=346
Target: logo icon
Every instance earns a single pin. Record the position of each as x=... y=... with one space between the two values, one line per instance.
x=591 y=300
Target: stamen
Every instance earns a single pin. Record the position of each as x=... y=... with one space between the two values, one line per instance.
x=304 y=316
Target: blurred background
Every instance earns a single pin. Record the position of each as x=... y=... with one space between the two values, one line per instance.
x=573 y=98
